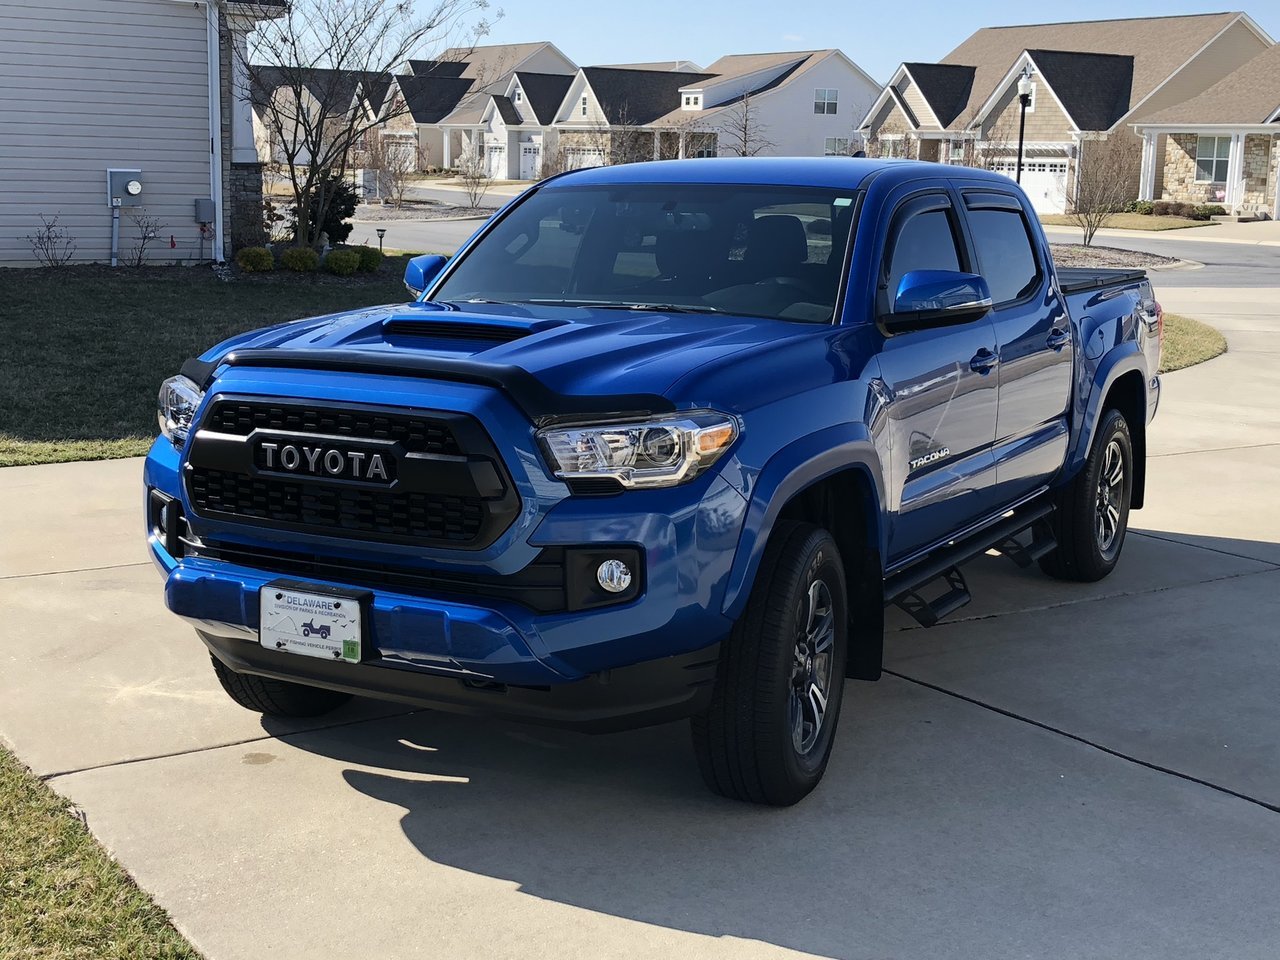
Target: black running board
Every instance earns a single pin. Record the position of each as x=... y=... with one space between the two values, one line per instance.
x=906 y=588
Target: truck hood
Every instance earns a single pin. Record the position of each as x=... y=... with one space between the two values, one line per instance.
x=571 y=351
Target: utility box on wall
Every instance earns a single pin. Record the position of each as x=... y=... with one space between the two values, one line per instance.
x=124 y=188
x=205 y=212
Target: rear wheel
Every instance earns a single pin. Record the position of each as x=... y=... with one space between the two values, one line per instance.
x=276 y=698
x=1093 y=510
x=768 y=733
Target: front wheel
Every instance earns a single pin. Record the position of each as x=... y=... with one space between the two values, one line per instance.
x=767 y=736
x=1093 y=510
x=276 y=698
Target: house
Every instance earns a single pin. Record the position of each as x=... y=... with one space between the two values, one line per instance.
x=1222 y=145
x=487 y=70
x=793 y=103
x=288 y=102
x=152 y=88
x=1090 y=81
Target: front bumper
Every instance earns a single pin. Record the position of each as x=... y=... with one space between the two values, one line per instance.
x=643 y=661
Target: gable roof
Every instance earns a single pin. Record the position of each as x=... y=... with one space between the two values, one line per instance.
x=1093 y=88
x=945 y=87
x=1248 y=95
x=486 y=70
x=544 y=92
x=507 y=110
x=1159 y=47
x=430 y=98
x=335 y=90
x=636 y=97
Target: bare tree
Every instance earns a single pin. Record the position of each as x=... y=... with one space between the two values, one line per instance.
x=148 y=229
x=1104 y=181
x=315 y=71
x=395 y=161
x=741 y=132
x=473 y=175
x=52 y=245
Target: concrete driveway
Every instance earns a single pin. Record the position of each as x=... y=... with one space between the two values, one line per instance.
x=1060 y=772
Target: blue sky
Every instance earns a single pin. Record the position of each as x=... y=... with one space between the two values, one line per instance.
x=877 y=36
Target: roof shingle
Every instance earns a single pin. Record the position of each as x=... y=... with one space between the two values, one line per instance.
x=1094 y=88
x=1249 y=95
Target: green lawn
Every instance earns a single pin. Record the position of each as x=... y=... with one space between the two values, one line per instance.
x=61 y=895
x=85 y=348
x=1188 y=342
x=1130 y=221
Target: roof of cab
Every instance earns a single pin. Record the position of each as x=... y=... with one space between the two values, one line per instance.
x=839 y=172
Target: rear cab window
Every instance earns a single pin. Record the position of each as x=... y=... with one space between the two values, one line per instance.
x=1003 y=246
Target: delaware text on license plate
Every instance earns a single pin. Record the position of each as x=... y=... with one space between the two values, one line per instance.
x=310 y=624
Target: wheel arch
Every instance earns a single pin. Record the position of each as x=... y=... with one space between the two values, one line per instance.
x=1120 y=384
x=817 y=480
x=1128 y=394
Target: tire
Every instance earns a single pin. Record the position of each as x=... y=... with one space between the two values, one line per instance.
x=749 y=744
x=1092 y=513
x=276 y=698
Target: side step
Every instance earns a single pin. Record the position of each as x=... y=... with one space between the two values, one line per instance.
x=904 y=588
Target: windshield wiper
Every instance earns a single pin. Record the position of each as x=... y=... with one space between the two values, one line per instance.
x=645 y=307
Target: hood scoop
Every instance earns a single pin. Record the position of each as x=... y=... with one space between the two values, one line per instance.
x=472 y=329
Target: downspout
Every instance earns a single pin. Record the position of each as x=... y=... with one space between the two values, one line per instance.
x=215 y=126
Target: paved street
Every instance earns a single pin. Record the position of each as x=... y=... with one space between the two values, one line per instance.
x=1061 y=771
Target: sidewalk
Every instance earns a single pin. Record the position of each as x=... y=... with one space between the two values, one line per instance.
x=1260 y=232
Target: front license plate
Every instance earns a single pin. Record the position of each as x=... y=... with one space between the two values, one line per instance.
x=310 y=624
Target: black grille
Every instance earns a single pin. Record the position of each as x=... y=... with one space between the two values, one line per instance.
x=344 y=510
x=447 y=483
x=418 y=434
x=540 y=586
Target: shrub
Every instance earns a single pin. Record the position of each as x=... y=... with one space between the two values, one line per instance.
x=342 y=263
x=300 y=259
x=342 y=207
x=370 y=259
x=1214 y=209
x=1160 y=208
x=1142 y=207
x=255 y=260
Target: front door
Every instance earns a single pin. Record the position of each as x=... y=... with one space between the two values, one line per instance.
x=530 y=157
x=941 y=388
x=1034 y=337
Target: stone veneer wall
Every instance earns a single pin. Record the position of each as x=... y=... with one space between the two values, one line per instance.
x=241 y=182
x=1258 y=183
x=1180 y=172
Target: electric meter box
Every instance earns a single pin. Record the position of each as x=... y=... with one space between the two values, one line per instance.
x=204 y=211
x=125 y=188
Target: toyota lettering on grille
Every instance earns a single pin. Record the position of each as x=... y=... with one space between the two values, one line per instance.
x=325 y=460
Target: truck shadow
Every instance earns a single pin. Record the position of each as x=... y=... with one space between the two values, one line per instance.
x=938 y=822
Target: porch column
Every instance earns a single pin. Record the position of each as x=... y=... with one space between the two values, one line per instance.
x=1147 y=183
x=680 y=149
x=447 y=148
x=657 y=144
x=243 y=149
x=1235 y=172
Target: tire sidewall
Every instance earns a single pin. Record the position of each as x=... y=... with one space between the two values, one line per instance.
x=1114 y=427
x=821 y=561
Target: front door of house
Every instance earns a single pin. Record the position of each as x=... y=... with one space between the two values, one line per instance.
x=530 y=159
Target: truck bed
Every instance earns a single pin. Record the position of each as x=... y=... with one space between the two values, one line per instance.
x=1079 y=279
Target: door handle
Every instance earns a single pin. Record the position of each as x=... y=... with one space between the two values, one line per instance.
x=983 y=361
x=1058 y=338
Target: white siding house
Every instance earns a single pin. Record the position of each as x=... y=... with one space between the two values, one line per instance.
x=87 y=86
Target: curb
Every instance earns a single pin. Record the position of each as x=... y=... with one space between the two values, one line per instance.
x=1180 y=265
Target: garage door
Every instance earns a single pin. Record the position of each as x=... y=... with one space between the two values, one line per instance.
x=498 y=163
x=1044 y=181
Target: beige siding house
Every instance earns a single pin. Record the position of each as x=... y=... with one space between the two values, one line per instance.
x=1221 y=146
x=138 y=85
x=1090 y=82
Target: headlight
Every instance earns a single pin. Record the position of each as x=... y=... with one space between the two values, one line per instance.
x=176 y=407
x=654 y=453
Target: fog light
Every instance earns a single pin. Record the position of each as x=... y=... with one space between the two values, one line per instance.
x=614 y=576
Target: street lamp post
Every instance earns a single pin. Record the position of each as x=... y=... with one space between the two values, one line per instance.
x=382 y=232
x=1024 y=98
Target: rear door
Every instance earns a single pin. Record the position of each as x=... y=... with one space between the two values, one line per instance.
x=942 y=408
x=1034 y=339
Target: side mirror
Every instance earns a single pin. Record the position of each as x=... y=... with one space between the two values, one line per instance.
x=937 y=298
x=420 y=271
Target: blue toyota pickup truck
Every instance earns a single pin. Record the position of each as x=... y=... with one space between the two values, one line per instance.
x=662 y=441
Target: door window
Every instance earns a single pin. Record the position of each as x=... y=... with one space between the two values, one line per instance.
x=1005 y=255
x=925 y=241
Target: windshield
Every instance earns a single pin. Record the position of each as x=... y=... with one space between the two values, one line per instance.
x=773 y=252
